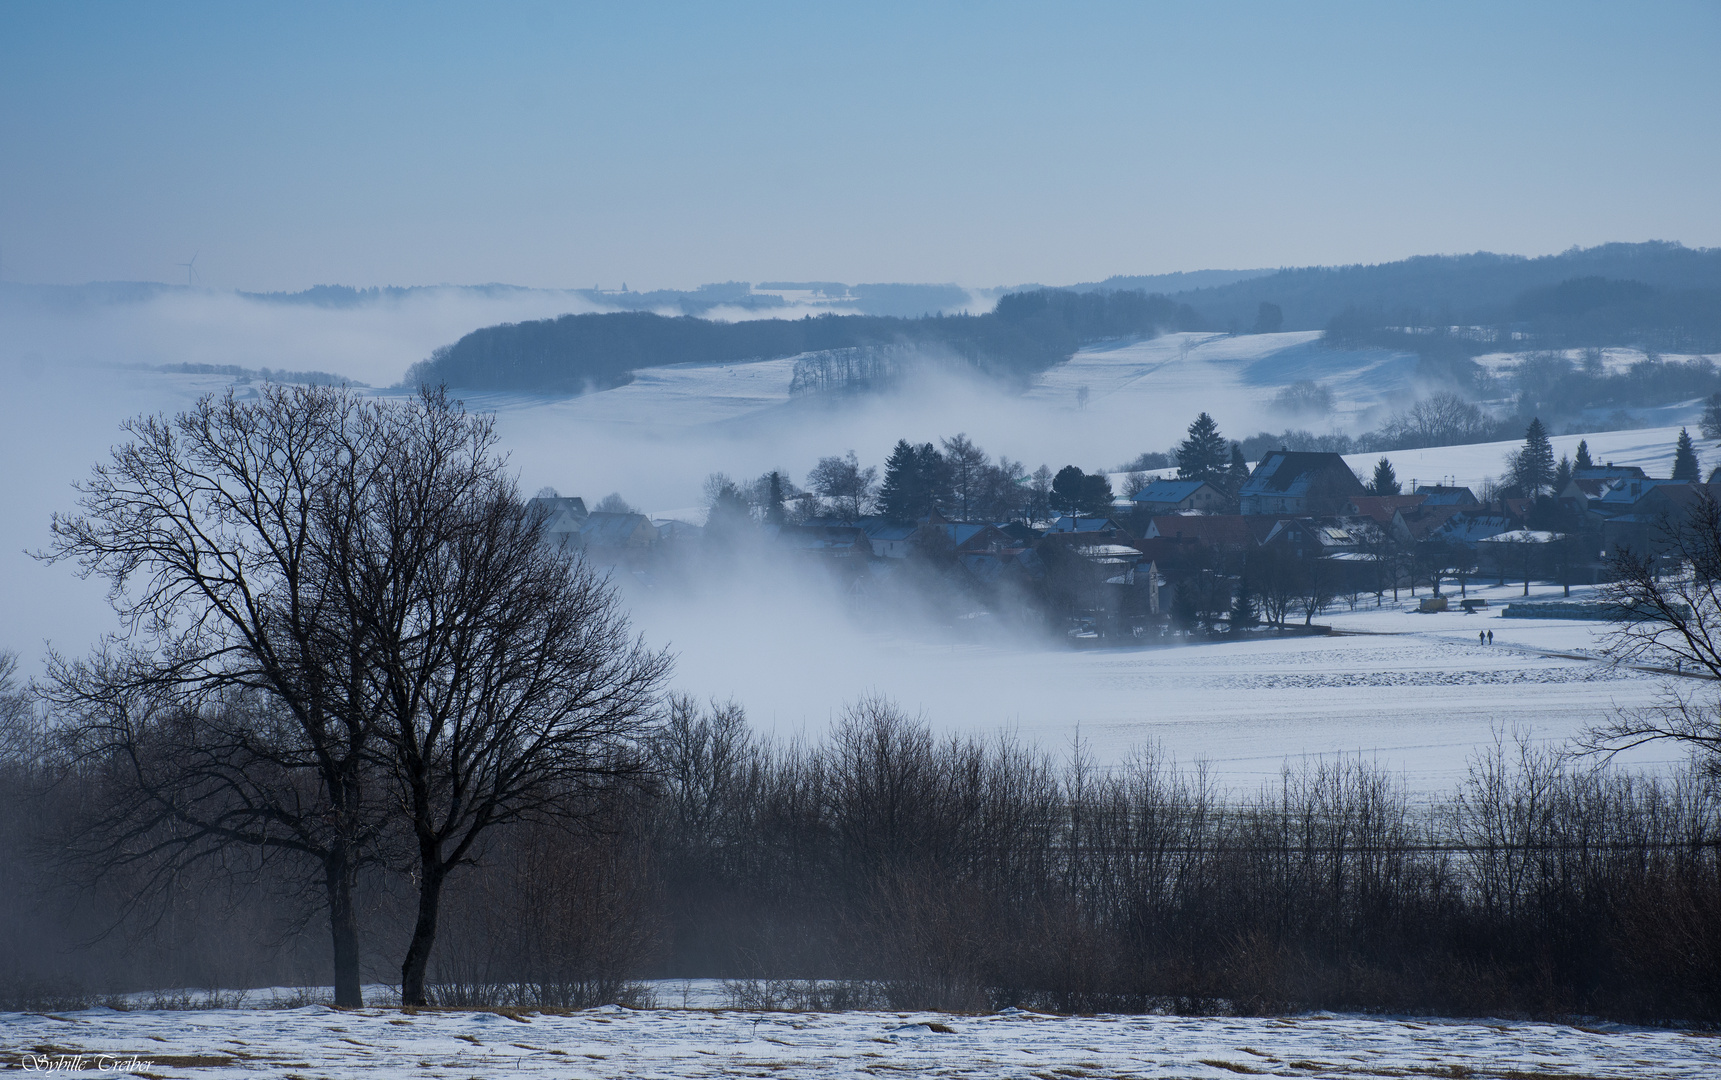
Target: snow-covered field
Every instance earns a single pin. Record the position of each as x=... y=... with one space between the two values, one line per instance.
x=1649 y=448
x=617 y=1042
x=1234 y=378
x=1414 y=693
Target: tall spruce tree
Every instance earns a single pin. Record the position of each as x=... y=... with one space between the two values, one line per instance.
x=1685 y=466
x=1385 y=480
x=1239 y=470
x=911 y=481
x=1533 y=468
x=1204 y=455
x=1582 y=461
x=774 y=496
x=1243 y=613
x=1562 y=474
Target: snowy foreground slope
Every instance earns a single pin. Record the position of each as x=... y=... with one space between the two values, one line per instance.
x=616 y=1042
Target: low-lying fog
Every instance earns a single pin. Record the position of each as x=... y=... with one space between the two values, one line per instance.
x=784 y=648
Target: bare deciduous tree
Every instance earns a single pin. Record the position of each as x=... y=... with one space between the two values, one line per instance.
x=1671 y=619
x=842 y=480
x=218 y=532
x=514 y=690
x=343 y=628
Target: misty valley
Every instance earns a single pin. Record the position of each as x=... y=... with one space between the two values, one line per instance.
x=1063 y=652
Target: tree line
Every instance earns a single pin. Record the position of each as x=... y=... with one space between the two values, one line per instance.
x=1024 y=334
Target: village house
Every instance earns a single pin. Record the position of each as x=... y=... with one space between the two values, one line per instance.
x=1380 y=508
x=604 y=532
x=1220 y=532
x=562 y=520
x=889 y=539
x=1067 y=524
x=1299 y=483
x=1178 y=496
x=1444 y=495
x=1470 y=527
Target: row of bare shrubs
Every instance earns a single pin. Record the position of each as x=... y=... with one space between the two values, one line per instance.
x=888 y=867
x=974 y=874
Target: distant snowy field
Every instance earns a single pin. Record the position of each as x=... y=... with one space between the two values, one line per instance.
x=1414 y=694
x=617 y=1042
x=1649 y=448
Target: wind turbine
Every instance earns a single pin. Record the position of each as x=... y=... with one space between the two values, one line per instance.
x=190 y=268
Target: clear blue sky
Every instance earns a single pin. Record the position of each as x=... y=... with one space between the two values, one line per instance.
x=669 y=145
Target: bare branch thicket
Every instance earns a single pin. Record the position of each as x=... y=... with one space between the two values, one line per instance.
x=1671 y=618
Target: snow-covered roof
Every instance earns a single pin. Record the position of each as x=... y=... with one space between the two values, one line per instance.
x=1523 y=536
x=1069 y=524
x=1292 y=473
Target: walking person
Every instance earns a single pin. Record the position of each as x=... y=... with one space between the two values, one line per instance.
x=1482 y=637
x=1490 y=637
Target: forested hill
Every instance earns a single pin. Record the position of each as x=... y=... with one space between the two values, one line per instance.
x=1026 y=333
x=1477 y=289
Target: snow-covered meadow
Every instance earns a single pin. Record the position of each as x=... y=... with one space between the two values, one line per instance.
x=1414 y=694
x=617 y=1042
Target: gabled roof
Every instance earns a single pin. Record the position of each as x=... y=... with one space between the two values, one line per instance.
x=1327 y=535
x=676 y=529
x=880 y=529
x=1588 y=487
x=1523 y=536
x=604 y=529
x=1292 y=473
x=1419 y=521
x=1468 y=527
x=560 y=515
x=1068 y=524
x=1444 y=495
x=1108 y=552
x=1380 y=508
x=1609 y=471
x=1626 y=491
x=1170 y=491
x=1214 y=530
x=970 y=534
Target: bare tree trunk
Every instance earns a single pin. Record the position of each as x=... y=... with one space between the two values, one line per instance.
x=339 y=873
x=423 y=931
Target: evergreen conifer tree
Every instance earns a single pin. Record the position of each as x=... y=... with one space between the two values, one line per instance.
x=1562 y=474
x=1533 y=468
x=774 y=498
x=1243 y=613
x=1239 y=470
x=1204 y=454
x=1385 y=480
x=903 y=494
x=1685 y=466
x=1583 y=459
